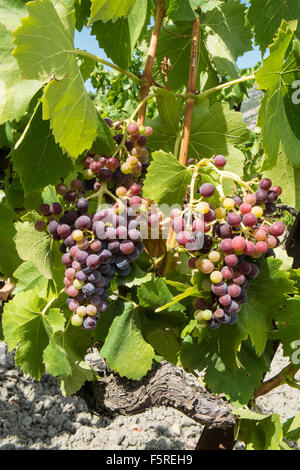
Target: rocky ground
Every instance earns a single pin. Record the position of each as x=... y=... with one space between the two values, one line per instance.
x=35 y=415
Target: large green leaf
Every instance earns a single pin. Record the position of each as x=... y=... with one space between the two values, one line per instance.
x=125 y=349
x=106 y=10
x=216 y=130
x=288 y=177
x=227 y=36
x=289 y=329
x=164 y=175
x=257 y=313
x=44 y=51
x=259 y=432
x=9 y=258
x=278 y=113
x=37 y=158
x=118 y=39
x=33 y=245
x=28 y=328
x=28 y=278
x=275 y=12
x=15 y=93
x=156 y=293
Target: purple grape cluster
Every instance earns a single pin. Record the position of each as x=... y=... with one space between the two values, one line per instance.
x=224 y=242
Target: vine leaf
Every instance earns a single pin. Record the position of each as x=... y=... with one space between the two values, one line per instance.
x=155 y=293
x=164 y=174
x=44 y=50
x=15 y=93
x=33 y=245
x=118 y=38
x=9 y=259
x=25 y=327
x=106 y=10
x=37 y=158
x=28 y=278
x=289 y=328
x=125 y=349
x=227 y=36
x=275 y=11
x=64 y=358
x=278 y=113
x=256 y=315
x=289 y=177
x=291 y=428
x=259 y=432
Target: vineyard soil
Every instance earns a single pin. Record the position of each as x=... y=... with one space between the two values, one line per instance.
x=35 y=415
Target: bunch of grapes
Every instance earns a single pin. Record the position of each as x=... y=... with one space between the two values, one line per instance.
x=130 y=162
x=224 y=243
x=97 y=246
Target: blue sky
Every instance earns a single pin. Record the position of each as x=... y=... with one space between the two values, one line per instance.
x=85 y=41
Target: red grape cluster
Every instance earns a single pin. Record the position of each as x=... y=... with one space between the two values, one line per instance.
x=130 y=162
x=224 y=243
x=98 y=246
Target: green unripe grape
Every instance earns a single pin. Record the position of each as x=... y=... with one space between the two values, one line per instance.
x=228 y=203
x=258 y=211
x=214 y=256
x=77 y=235
x=76 y=320
x=142 y=130
x=78 y=284
x=126 y=168
x=203 y=207
x=132 y=161
x=198 y=315
x=206 y=315
x=88 y=174
x=220 y=213
x=216 y=277
x=81 y=311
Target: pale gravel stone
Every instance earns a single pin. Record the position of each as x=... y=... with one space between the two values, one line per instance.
x=35 y=415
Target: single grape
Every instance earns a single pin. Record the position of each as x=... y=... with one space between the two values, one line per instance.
x=254 y=271
x=63 y=230
x=250 y=199
x=238 y=243
x=214 y=256
x=261 y=196
x=90 y=323
x=231 y=260
x=265 y=183
x=245 y=208
x=67 y=259
x=216 y=277
x=224 y=231
x=277 y=189
x=226 y=245
x=249 y=220
x=228 y=203
x=225 y=300
x=81 y=256
x=40 y=226
x=244 y=267
x=238 y=278
x=81 y=276
x=233 y=308
x=233 y=219
x=219 y=161
x=234 y=290
x=219 y=289
x=76 y=320
x=56 y=208
x=261 y=247
x=227 y=272
x=220 y=213
x=105 y=256
x=207 y=190
x=82 y=204
x=260 y=235
x=277 y=229
x=205 y=266
x=83 y=222
x=45 y=209
x=257 y=211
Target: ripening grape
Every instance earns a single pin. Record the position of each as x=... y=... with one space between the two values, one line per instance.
x=206 y=315
x=219 y=161
x=216 y=277
x=257 y=211
x=76 y=320
x=277 y=229
x=228 y=203
x=261 y=247
x=219 y=289
x=227 y=272
x=203 y=207
x=250 y=199
x=249 y=220
x=220 y=213
x=231 y=260
x=261 y=196
x=238 y=243
x=225 y=300
x=214 y=256
x=234 y=290
x=207 y=190
x=260 y=235
x=205 y=266
x=245 y=208
x=265 y=183
x=233 y=219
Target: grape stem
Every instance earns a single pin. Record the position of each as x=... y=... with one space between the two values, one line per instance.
x=229 y=175
x=141 y=104
x=129 y=74
x=205 y=93
x=51 y=302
